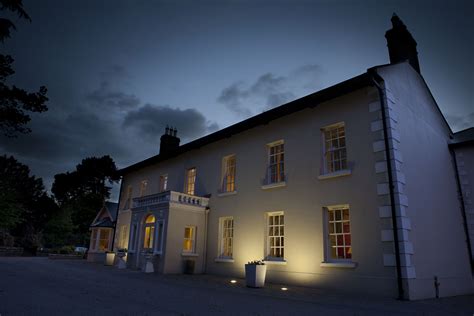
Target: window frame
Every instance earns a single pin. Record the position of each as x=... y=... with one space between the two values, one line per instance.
x=163 y=182
x=151 y=227
x=188 y=183
x=106 y=239
x=222 y=238
x=268 y=238
x=143 y=188
x=327 y=239
x=341 y=150
x=280 y=163
x=192 y=239
x=226 y=186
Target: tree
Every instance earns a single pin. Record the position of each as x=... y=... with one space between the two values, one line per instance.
x=82 y=192
x=15 y=103
x=24 y=205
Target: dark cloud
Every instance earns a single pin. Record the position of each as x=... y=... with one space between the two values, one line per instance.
x=106 y=121
x=150 y=121
x=104 y=96
x=269 y=90
x=458 y=122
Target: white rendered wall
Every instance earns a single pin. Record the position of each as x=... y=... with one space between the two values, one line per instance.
x=302 y=199
x=435 y=227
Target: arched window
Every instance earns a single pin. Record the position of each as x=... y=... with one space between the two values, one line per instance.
x=149 y=232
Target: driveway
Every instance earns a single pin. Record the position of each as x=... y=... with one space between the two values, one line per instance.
x=39 y=286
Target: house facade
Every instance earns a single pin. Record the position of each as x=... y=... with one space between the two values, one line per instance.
x=352 y=188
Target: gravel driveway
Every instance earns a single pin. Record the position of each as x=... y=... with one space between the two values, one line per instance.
x=39 y=286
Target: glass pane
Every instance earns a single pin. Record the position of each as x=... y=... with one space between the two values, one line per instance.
x=348 y=252
x=340 y=252
x=338 y=228
x=347 y=240
x=332 y=240
x=333 y=253
x=340 y=240
x=345 y=214
x=346 y=227
x=338 y=215
x=331 y=228
x=331 y=216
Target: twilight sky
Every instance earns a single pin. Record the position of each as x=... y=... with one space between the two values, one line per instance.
x=118 y=71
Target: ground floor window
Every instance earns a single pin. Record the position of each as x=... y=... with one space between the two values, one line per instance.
x=226 y=236
x=149 y=232
x=104 y=236
x=275 y=235
x=189 y=243
x=339 y=242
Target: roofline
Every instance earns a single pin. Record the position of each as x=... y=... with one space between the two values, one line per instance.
x=309 y=101
x=466 y=142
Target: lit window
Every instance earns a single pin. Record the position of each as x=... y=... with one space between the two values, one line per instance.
x=228 y=174
x=104 y=239
x=339 y=233
x=189 y=239
x=335 y=157
x=190 y=183
x=276 y=163
x=128 y=198
x=226 y=232
x=149 y=232
x=93 y=239
x=163 y=182
x=143 y=186
x=275 y=235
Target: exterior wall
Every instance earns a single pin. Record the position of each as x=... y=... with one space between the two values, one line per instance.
x=179 y=218
x=433 y=242
x=302 y=199
x=465 y=162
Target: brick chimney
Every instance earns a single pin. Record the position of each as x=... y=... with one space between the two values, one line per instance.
x=169 y=142
x=401 y=45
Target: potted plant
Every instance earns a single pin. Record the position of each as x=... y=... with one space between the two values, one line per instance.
x=255 y=272
x=121 y=253
x=109 y=258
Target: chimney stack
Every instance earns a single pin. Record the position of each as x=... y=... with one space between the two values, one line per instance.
x=401 y=45
x=169 y=142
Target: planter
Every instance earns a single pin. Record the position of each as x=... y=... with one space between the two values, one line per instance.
x=121 y=260
x=149 y=268
x=255 y=275
x=109 y=258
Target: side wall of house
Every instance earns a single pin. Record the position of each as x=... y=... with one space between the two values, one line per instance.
x=431 y=225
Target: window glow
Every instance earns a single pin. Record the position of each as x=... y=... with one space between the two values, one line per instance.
x=149 y=232
x=276 y=233
x=189 y=239
x=335 y=148
x=228 y=179
x=276 y=163
x=339 y=233
x=190 y=181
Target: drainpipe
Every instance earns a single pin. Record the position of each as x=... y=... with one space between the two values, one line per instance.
x=463 y=210
x=401 y=295
x=116 y=215
x=205 y=240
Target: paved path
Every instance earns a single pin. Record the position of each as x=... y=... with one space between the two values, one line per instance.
x=39 y=286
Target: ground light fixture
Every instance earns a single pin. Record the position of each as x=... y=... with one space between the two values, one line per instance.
x=233 y=281
x=284 y=289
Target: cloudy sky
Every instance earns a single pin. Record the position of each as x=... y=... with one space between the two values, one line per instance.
x=118 y=71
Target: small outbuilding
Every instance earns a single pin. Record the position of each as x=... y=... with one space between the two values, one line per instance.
x=102 y=232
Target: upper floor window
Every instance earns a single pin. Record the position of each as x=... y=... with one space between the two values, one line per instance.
x=276 y=162
x=338 y=242
x=335 y=157
x=128 y=198
x=149 y=232
x=275 y=236
x=190 y=182
x=163 y=182
x=189 y=243
x=228 y=174
x=226 y=236
x=143 y=187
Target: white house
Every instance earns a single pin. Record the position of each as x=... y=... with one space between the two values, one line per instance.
x=354 y=187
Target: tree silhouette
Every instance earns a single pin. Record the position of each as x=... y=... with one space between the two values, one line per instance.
x=15 y=103
x=81 y=193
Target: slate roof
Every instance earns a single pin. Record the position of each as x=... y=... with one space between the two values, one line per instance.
x=464 y=137
x=111 y=207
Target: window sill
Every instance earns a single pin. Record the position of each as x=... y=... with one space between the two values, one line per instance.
x=228 y=260
x=340 y=173
x=275 y=262
x=344 y=265
x=222 y=194
x=189 y=254
x=274 y=185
